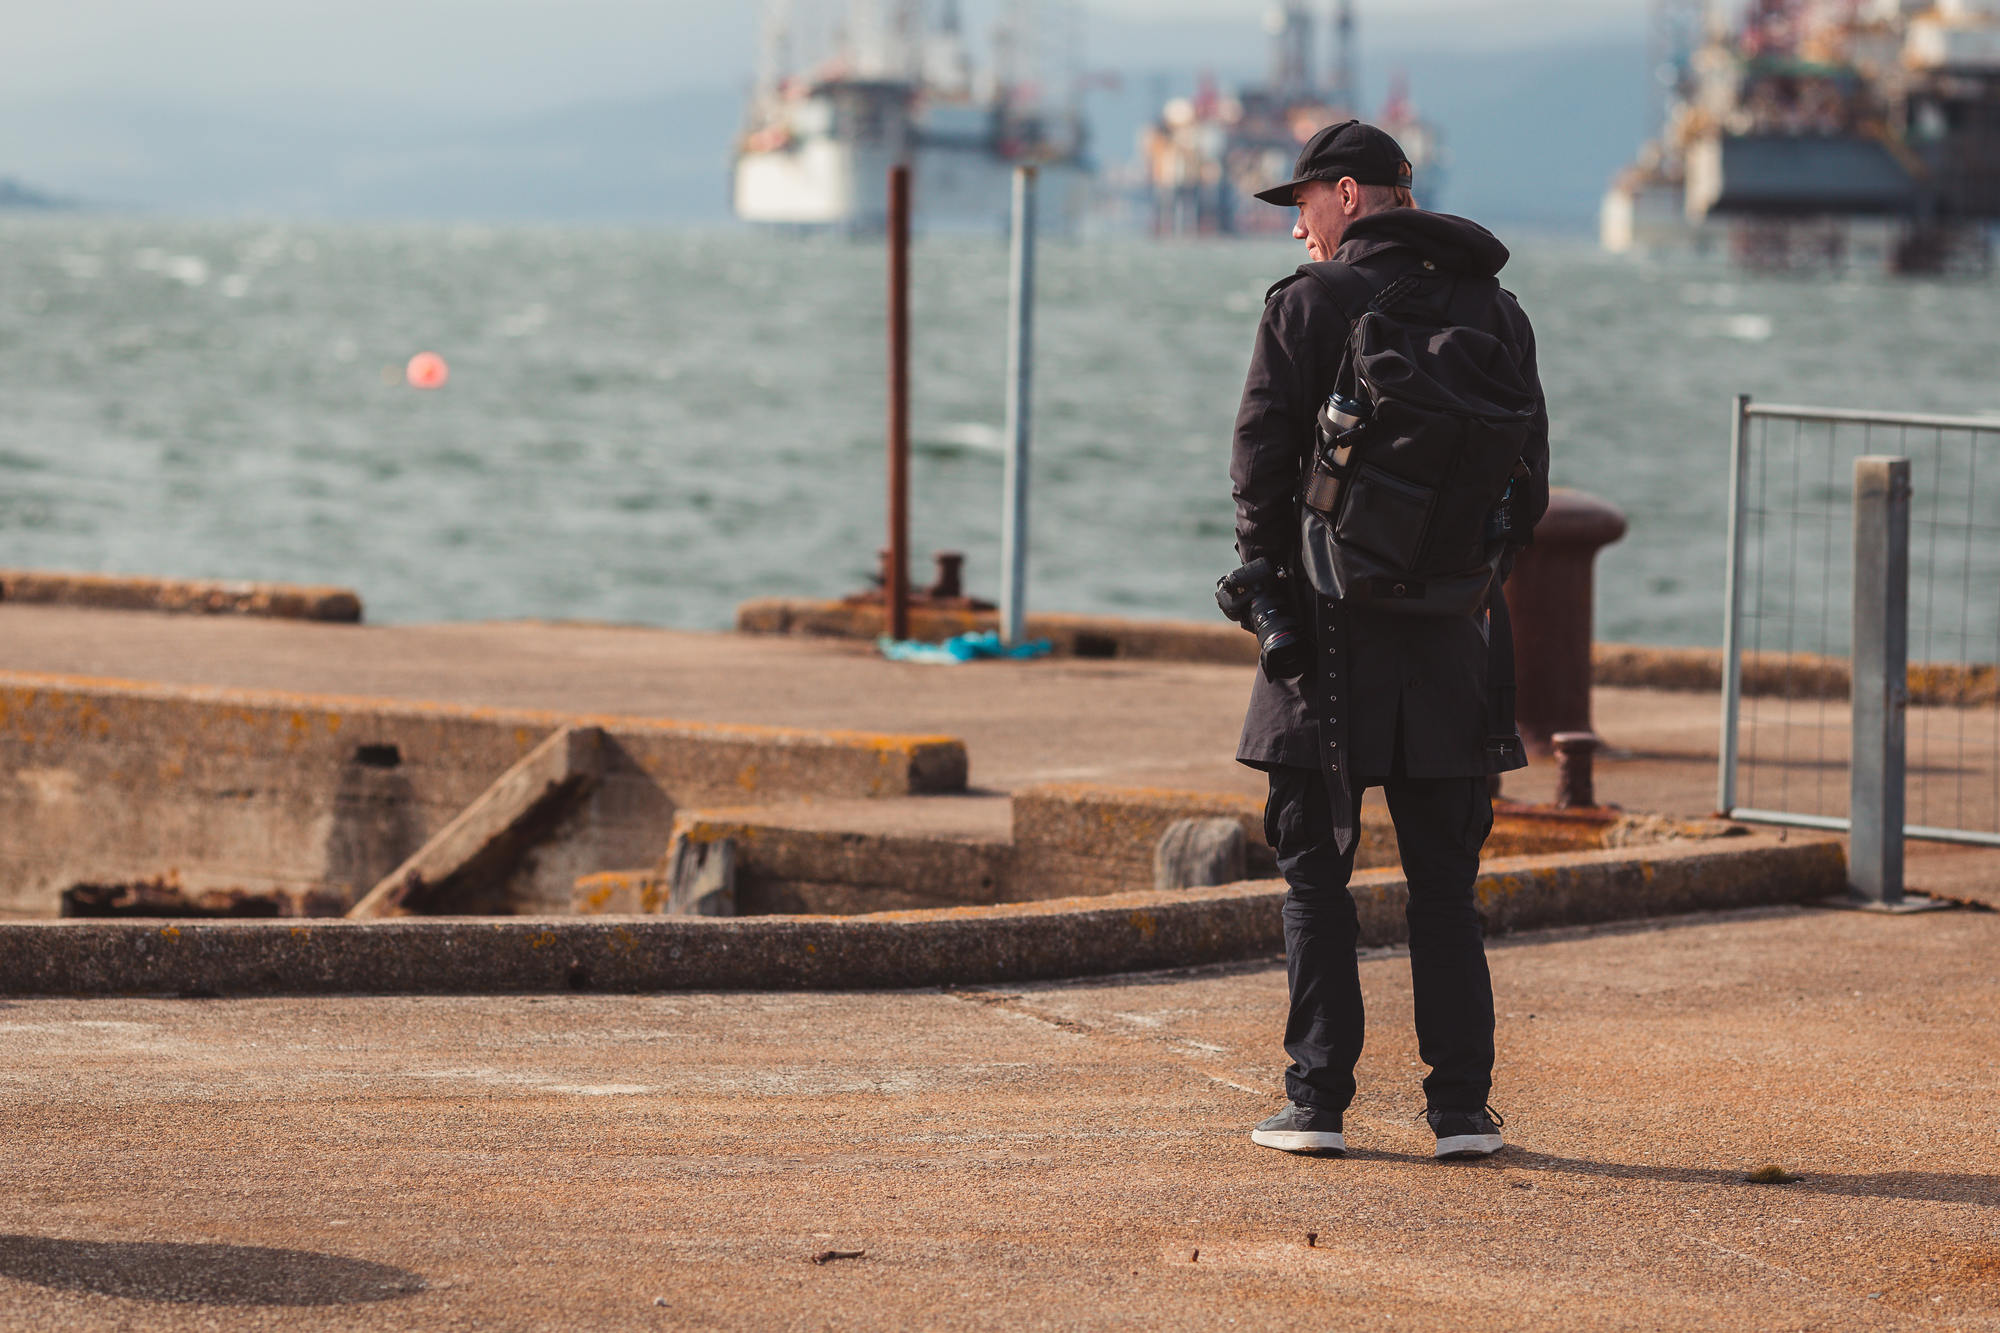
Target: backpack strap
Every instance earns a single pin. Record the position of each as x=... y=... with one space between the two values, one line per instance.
x=1354 y=292
x=1351 y=291
x=1356 y=295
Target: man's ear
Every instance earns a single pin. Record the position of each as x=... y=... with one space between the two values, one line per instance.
x=1350 y=195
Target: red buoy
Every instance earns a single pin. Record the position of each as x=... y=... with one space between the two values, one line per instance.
x=427 y=370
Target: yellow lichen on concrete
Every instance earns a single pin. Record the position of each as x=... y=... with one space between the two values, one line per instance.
x=617 y=893
x=697 y=829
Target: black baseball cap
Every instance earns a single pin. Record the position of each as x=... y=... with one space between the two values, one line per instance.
x=1350 y=148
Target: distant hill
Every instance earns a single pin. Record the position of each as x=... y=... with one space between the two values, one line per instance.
x=13 y=194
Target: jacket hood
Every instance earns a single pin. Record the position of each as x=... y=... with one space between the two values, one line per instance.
x=1454 y=244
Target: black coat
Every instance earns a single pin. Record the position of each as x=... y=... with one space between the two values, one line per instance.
x=1389 y=695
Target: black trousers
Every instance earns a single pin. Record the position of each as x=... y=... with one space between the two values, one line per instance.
x=1440 y=825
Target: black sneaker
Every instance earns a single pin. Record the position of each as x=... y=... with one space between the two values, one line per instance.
x=1466 y=1133
x=1302 y=1129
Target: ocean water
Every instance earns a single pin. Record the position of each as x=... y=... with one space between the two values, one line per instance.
x=651 y=426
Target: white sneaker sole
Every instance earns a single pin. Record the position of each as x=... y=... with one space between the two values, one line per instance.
x=1298 y=1140
x=1470 y=1145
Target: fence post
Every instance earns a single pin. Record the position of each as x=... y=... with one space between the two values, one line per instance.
x=1881 y=676
x=1732 y=599
x=1020 y=382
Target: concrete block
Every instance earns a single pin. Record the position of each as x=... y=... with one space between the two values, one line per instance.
x=946 y=946
x=1798 y=675
x=1079 y=837
x=1197 y=853
x=1070 y=635
x=702 y=881
x=106 y=782
x=826 y=871
x=172 y=894
x=466 y=863
x=618 y=893
x=1070 y=840
x=125 y=592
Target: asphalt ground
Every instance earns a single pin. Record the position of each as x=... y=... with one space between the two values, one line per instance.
x=1060 y=1156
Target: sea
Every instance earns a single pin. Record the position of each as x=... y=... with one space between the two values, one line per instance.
x=651 y=426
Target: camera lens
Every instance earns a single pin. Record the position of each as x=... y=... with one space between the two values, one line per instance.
x=1285 y=655
x=1282 y=651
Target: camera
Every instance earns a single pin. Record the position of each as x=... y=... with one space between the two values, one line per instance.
x=1256 y=598
x=1500 y=519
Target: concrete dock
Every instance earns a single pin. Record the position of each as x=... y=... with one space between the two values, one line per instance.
x=1130 y=723
x=1056 y=1154
x=1059 y=1156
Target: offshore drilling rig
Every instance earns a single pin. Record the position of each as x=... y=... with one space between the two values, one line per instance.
x=1209 y=153
x=1820 y=134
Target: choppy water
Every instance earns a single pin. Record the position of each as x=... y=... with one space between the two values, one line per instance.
x=653 y=426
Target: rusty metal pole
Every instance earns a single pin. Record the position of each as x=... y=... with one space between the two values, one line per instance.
x=896 y=576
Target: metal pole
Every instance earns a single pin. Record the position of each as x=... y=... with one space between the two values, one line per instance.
x=1881 y=676
x=896 y=577
x=1732 y=600
x=1020 y=376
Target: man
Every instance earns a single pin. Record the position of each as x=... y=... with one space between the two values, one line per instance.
x=1405 y=702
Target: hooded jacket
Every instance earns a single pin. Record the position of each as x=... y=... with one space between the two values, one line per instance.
x=1389 y=695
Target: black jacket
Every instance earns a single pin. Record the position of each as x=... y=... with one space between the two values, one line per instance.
x=1390 y=695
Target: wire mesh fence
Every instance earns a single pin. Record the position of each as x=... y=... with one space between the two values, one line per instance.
x=1788 y=638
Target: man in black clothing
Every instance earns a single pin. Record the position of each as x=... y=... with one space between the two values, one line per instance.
x=1417 y=705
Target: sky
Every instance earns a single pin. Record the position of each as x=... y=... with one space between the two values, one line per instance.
x=520 y=54
x=424 y=107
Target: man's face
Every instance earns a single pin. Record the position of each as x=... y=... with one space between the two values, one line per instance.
x=1325 y=209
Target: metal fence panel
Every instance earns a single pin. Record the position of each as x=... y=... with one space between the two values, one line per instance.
x=1788 y=632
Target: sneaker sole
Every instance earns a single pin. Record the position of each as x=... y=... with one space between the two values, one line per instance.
x=1315 y=1144
x=1469 y=1145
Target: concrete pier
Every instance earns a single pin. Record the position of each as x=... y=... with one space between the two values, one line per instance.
x=995 y=1152
x=462 y=691
x=1069 y=1156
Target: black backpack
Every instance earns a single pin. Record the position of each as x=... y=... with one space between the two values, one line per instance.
x=1405 y=513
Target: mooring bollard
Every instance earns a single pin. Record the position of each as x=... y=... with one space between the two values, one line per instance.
x=1576 y=789
x=1549 y=597
x=950 y=580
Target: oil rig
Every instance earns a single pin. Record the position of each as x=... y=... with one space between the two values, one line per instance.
x=1208 y=153
x=1803 y=134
